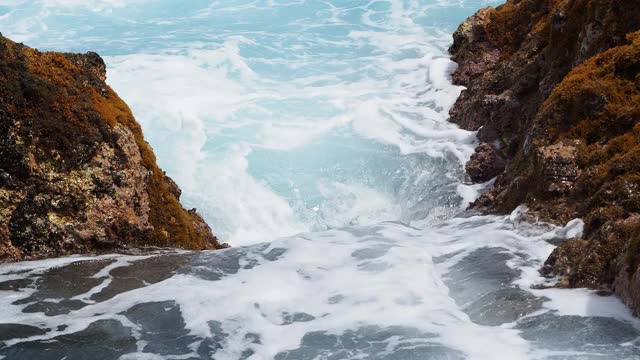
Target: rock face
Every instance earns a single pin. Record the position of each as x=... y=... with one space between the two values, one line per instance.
x=556 y=84
x=485 y=164
x=558 y=168
x=76 y=175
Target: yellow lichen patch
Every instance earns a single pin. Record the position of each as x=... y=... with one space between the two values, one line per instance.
x=511 y=22
x=167 y=215
x=8 y=198
x=599 y=104
x=54 y=67
x=58 y=220
x=113 y=109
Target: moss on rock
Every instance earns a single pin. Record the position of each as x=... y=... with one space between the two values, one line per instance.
x=81 y=176
x=569 y=71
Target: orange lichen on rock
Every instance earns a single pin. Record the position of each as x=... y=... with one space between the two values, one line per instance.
x=598 y=104
x=172 y=224
x=557 y=84
x=511 y=23
x=78 y=175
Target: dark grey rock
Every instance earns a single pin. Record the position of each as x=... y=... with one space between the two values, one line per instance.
x=370 y=342
x=102 y=340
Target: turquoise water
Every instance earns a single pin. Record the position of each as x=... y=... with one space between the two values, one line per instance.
x=277 y=117
x=313 y=136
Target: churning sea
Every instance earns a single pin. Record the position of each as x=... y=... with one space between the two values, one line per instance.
x=314 y=138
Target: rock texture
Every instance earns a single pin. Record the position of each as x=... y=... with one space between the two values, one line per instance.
x=556 y=83
x=76 y=175
x=485 y=164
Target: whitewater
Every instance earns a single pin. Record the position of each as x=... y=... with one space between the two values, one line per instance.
x=314 y=138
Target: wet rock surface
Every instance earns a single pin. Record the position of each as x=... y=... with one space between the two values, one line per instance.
x=556 y=85
x=480 y=285
x=559 y=168
x=161 y=328
x=103 y=340
x=485 y=164
x=204 y=305
x=485 y=272
x=369 y=342
x=582 y=335
x=76 y=175
x=18 y=331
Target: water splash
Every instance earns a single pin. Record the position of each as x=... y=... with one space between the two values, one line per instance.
x=281 y=117
x=323 y=119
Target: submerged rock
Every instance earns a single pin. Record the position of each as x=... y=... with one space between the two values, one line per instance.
x=76 y=174
x=480 y=285
x=557 y=85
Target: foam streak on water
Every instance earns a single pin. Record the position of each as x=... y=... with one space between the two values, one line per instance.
x=459 y=290
x=313 y=136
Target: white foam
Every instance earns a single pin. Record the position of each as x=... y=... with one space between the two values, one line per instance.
x=347 y=204
x=470 y=192
x=346 y=279
x=248 y=210
x=200 y=103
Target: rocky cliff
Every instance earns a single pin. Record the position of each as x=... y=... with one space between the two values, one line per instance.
x=76 y=175
x=553 y=88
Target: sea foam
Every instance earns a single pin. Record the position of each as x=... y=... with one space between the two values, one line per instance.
x=383 y=291
x=313 y=136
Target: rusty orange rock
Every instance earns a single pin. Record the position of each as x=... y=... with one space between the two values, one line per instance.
x=77 y=174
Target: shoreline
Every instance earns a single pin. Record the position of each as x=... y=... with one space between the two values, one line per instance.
x=551 y=94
